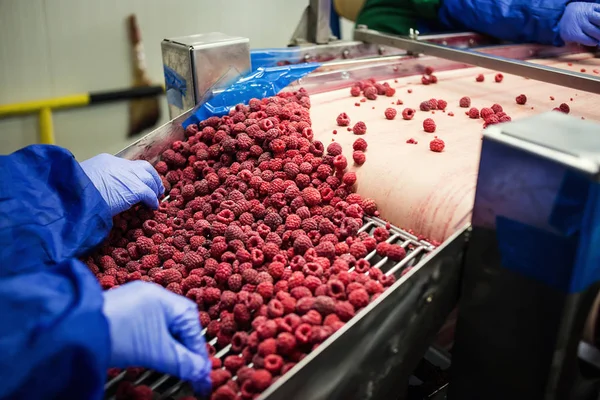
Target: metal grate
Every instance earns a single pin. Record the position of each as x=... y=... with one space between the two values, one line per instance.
x=168 y=387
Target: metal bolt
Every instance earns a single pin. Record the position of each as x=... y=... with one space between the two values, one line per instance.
x=345 y=53
x=429 y=299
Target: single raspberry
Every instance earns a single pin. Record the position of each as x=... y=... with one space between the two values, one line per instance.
x=474 y=113
x=425 y=106
x=486 y=112
x=219 y=377
x=425 y=80
x=390 y=91
x=334 y=149
x=224 y=392
x=564 y=107
x=479 y=78
x=238 y=341
x=359 y=157
x=499 y=77
x=428 y=70
x=358 y=250
x=390 y=113
x=311 y=196
x=302 y=333
x=360 y=144
x=267 y=330
x=370 y=93
x=442 y=104
x=437 y=145
x=265 y=290
x=355 y=91
x=267 y=346
x=521 y=99
x=433 y=79
x=429 y=125
x=339 y=162
x=167 y=276
x=286 y=343
x=275 y=308
x=260 y=379
x=465 y=102
x=496 y=108
x=349 y=178
x=343 y=119
x=505 y=118
x=359 y=298
x=325 y=305
x=344 y=310
x=273 y=363
x=360 y=128
x=395 y=252
x=408 y=113
x=312 y=317
x=491 y=120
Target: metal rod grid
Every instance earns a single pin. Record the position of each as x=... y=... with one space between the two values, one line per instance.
x=168 y=386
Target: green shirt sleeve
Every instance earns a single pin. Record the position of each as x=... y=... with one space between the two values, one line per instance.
x=396 y=16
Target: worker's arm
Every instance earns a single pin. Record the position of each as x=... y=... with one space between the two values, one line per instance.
x=50 y=211
x=512 y=20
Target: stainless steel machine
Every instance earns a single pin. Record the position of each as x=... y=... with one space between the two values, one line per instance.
x=524 y=272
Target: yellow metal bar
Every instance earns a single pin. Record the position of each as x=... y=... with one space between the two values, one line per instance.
x=46 y=128
x=30 y=107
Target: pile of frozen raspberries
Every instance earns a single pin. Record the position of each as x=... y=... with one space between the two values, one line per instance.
x=260 y=229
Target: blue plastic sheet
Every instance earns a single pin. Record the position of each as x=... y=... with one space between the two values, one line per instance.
x=176 y=87
x=264 y=58
x=259 y=84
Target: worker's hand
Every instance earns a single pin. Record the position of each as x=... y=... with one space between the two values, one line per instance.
x=123 y=183
x=154 y=328
x=580 y=23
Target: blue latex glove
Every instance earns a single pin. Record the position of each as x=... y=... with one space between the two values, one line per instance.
x=580 y=23
x=123 y=183
x=154 y=328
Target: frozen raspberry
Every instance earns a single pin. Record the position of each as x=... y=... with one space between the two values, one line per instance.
x=465 y=102
x=429 y=125
x=344 y=310
x=505 y=118
x=360 y=128
x=437 y=145
x=433 y=79
x=286 y=343
x=492 y=119
x=521 y=99
x=486 y=112
x=496 y=108
x=474 y=113
x=261 y=379
x=340 y=163
x=479 y=78
x=343 y=119
x=442 y=104
x=370 y=93
x=355 y=91
x=267 y=330
x=224 y=392
x=334 y=149
x=358 y=250
x=275 y=308
x=360 y=144
x=238 y=341
x=428 y=70
x=564 y=107
x=390 y=113
x=325 y=305
x=219 y=377
x=390 y=91
x=312 y=317
x=359 y=298
x=349 y=178
x=302 y=333
x=425 y=106
x=499 y=77
x=265 y=289
x=408 y=113
x=359 y=157
x=273 y=363
x=267 y=346
x=425 y=80
x=167 y=276
x=396 y=252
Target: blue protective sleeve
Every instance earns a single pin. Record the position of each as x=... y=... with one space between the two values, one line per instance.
x=49 y=209
x=512 y=20
x=53 y=337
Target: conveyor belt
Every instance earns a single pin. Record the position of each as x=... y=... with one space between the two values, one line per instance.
x=167 y=386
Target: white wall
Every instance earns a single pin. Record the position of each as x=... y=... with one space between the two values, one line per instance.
x=60 y=47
